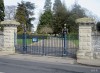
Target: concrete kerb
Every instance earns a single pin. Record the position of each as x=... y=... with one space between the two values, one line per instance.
x=27 y=57
x=4 y=53
x=89 y=62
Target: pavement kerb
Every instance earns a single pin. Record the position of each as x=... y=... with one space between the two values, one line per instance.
x=89 y=62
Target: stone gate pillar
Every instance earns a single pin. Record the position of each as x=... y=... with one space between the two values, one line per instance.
x=85 y=38
x=10 y=35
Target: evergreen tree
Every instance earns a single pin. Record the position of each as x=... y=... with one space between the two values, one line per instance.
x=21 y=15
x=78 y=11
x=30 y=10
x=60 y=16
x=45 y=18
x=24 y=11
x=47 y=5
x=2 y=14
x=57 y=5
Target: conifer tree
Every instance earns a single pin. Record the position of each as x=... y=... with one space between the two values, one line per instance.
x=2 y=14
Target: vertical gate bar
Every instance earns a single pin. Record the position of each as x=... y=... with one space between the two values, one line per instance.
x=24 y=49
x=62 y=44
x=43 y=46
x=56 y=47
x=65 y=43
x=69 y=43
x=37 y=53
x=56 y=41
x=73 y=44
x=32 y=44
x=39 y=47
x=24 y=40
x=50 y=44
x=47 y=46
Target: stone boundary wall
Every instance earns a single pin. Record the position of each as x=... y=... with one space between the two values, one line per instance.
x=96 y=45
x=1 y=41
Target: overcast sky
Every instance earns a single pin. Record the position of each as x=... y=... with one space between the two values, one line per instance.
x=92 y=5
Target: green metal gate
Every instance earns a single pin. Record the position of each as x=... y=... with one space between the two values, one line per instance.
x=51 y=45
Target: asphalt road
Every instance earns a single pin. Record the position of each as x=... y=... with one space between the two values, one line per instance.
x=16 y=66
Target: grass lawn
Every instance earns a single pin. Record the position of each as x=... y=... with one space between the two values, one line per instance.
x=70 y=37
x=20 y=41
x=76 y=42
x=73 y=38
x=28 y=41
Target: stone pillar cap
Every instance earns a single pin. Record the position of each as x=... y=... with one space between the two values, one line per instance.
x=10 y=22
x=85 y=20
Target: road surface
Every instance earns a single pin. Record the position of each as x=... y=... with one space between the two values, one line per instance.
x=19 y=66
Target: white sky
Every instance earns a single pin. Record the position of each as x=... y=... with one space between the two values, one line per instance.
x=92 y=5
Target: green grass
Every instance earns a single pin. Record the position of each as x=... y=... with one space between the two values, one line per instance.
x=28 y=41
x=20 y=41
x=76 y=42
x=71 y=37
x=74 y=38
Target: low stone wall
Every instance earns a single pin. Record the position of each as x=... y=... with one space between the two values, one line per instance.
x=96 y=45
x=1 y=41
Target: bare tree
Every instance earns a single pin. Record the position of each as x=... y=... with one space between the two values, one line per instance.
x=10 y=12
x=46 y=30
